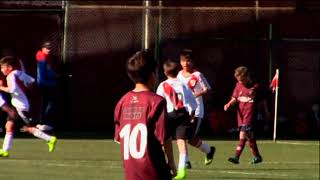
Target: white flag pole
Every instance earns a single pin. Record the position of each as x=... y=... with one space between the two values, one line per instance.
x=276 y=107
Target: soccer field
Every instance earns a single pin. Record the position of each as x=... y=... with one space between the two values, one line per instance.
x=89 y=159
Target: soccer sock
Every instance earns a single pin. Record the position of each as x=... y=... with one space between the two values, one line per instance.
x=7 y=141
x=182 y=161
x=253 y=146
x=37 y=133
x=240 y=147
x=204 y=147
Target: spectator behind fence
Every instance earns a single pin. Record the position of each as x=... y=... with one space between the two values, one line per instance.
x=47 y=83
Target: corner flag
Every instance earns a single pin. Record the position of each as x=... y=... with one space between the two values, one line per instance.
x=275 y=88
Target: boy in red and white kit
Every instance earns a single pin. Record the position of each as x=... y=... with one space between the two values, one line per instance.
x=197 y=83
x=181 y=106
x=17 y=83
x=141 y=125
x=245 y=96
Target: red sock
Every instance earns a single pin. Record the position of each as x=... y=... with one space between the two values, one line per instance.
x=240 y=147
x=253 y=146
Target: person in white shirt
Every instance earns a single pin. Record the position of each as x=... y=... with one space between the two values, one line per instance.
x=197 y=83
x=181 y=106
x=17 y=84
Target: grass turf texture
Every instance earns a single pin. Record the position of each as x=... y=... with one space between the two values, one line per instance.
x=100 y=159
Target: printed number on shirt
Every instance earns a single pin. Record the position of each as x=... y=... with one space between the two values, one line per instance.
x=130 y=141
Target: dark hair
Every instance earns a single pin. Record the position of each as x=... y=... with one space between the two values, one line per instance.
x=140 y=66
x=46 y=45
x=9 y=60
x=187 y=53
x=170 y=68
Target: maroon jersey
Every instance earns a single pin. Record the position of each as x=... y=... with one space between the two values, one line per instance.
x=246 y=97
x=141 y=129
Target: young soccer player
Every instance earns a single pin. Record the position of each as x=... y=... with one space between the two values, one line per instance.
x=141 y=125
x=199 y=86
x=181 y=106
x=245 y=96
x=17 y=83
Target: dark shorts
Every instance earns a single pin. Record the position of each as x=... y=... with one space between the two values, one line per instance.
x=180 y=124
x=246 y=128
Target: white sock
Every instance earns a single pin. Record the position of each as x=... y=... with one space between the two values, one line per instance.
x=182 y=161
x=7 y=141
x=204 y=147
x=187 y=158
x=37 y=133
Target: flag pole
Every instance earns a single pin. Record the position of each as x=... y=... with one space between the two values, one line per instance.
x=276 y=107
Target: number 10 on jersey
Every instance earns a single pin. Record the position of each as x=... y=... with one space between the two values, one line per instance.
x=130 y=139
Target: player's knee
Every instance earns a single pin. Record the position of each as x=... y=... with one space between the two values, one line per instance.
x=9 y=127
x=195 y=141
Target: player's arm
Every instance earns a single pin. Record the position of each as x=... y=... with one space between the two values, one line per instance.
x=167 y=147
x=230 y=103
x=205 y=86
x=117 y=122
x=11 y=85
x=163 y=135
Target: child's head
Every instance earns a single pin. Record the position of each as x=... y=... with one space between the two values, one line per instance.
x=46 y=47
x=242 y=75
x=141 y=68
x=170 y=68
x=186 y=59
x=8 y=64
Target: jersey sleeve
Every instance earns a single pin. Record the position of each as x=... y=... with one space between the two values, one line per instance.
x=160 y=91
x=203 y=82
x=161 y=125
x=235 y=92
x=117 y=113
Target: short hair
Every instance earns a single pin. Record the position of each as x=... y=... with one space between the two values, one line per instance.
x=187 y=53
x=170 y=68
x=9 y=60
x=241 y=72
x=46 y=45
x=140 y=66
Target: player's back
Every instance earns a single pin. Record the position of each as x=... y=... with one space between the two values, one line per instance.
x=141 y=130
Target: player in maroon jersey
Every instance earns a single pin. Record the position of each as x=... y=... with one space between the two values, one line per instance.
x=245 y=96
x=141 y=125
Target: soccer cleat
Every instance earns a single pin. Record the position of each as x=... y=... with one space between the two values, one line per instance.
x=209 y=158
x=52 y=143
x=234 y=160
x=188 y=165
x=4 y=153
x=181 y=174
x=256 y=160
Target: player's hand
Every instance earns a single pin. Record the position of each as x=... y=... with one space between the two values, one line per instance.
x=226 y=107
x=173 y=169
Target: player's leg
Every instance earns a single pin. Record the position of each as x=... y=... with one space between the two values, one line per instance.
x=51 y=140
x=254 y=148
x=181 y=173
x=196 y=142
x=8 y=138
x=240 y=146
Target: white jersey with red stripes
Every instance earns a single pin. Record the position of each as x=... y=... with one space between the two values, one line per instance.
x=17 y=82
x=176 y=95
x=196 y=82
